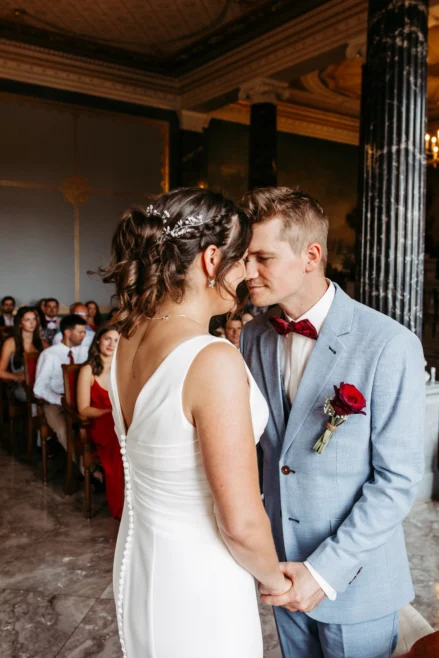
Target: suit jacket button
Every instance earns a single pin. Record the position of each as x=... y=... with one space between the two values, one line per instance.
x=286 y=470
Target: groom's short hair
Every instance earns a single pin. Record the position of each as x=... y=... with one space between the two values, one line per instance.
x=304 y=220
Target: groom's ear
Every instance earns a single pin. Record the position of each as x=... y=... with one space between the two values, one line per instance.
x=313 y=257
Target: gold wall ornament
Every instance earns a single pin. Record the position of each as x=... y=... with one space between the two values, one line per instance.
x=76 y=190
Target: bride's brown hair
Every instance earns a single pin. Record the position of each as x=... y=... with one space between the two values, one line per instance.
x=148 y=264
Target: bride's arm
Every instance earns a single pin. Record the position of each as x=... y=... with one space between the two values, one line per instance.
x=216 y=401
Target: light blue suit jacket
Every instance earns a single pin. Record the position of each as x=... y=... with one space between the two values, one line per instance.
x=343 y=510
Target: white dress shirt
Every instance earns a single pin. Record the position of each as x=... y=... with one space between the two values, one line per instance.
x=9 y=320
x=49 y=381
x=294 y=353
x=52 y=323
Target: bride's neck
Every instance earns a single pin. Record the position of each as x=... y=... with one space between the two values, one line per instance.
x=196 y=309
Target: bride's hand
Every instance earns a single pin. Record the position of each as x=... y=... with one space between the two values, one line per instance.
x=284 y=586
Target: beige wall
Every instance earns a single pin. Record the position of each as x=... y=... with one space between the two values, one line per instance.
x=66 y=174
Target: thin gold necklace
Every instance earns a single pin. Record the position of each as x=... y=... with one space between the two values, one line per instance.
x=175 y=315
x=164 y=317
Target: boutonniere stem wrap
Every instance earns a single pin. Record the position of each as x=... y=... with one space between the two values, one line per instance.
x=347 y=401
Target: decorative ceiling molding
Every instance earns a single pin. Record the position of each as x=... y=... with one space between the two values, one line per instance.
x=263 y=90
x=332 y=25
x=157 y=36
x=60 y=71
x=300 y=121
x=194 y=121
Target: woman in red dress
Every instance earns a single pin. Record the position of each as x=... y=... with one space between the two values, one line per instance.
x=94 y=403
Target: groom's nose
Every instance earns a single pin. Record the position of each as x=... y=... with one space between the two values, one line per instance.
x=251 y=270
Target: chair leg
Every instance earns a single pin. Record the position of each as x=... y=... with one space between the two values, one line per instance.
x=43 y=434
x=87 y=493
x=12 y=435
x=68 y=487
x=30 y=435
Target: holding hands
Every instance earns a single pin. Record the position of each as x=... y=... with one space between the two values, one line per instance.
x=304 y=594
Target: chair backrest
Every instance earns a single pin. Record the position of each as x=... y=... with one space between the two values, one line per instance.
x=426 y=647
x=70 y=374
x=30 y=367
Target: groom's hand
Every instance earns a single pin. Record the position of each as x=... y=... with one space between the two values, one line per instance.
x=305 y=594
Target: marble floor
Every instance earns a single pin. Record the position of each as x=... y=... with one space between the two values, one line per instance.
x=55 y=570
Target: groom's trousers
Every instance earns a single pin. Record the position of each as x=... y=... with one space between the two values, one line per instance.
x=304 y=637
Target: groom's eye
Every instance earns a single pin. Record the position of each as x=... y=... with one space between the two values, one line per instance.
x=262 y=258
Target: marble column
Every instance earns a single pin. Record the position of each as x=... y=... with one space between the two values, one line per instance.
x=390 y=243
x=263 y=94
x=194 y=160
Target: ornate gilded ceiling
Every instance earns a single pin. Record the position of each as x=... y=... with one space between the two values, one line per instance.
x=162 y=35
x=194 y=56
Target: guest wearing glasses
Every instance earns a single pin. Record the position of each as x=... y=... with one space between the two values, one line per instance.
x=94 y=403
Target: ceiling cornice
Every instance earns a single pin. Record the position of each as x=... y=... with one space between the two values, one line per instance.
x=45 y=67
x=300 y=121
x=334 y=24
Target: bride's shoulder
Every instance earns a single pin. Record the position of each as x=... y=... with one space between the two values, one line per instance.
x=218 y=357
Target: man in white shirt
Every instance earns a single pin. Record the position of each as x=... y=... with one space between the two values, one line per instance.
x=7 y=312
x=49 y=382
x=337 y=516
x=79 y=309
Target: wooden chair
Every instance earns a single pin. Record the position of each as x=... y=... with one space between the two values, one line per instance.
x=16 y=412
x=78 y=442
x=38 y=422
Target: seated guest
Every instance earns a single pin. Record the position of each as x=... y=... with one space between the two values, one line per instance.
x=233 y=329
x=94 y=318
x=49 y=381
x=26 y=338
x=79 y=309
x=94 y=403
x=51 y=320
x=7 y=312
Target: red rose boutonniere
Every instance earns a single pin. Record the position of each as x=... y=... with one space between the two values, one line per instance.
x=347 y=401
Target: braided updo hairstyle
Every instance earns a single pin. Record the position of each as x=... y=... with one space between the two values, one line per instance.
x=150 y=262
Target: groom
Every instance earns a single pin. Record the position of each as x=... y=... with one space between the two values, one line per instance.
x=337 y=516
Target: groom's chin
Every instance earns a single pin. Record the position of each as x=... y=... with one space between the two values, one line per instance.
x=258 y=298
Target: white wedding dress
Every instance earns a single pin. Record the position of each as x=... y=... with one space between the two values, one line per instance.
x=179 y=592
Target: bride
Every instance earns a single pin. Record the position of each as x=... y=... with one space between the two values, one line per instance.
x=194 y=534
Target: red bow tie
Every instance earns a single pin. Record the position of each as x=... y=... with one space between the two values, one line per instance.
x=303 y=327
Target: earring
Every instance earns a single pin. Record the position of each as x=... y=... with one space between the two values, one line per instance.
x=212 y=283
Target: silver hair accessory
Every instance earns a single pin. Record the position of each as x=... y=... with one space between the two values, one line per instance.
x=181 y=227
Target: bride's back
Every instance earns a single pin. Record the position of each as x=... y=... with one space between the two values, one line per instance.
x=141 y=355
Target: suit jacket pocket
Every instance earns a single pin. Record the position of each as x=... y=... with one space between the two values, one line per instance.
x=301 y=538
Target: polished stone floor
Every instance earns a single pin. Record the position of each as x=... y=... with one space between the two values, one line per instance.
x=55 y=570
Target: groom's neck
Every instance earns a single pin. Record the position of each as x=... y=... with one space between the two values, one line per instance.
x=305 y=298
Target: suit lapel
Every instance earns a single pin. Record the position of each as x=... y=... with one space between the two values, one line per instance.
x=325 y=356
x=269 y=350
